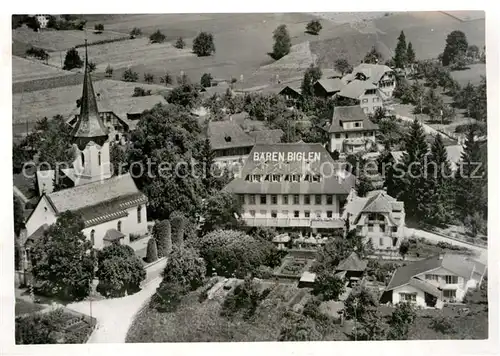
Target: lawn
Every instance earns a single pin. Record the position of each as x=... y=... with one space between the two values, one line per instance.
x=423 y=248
x=31 y=69
x=24 y=307
x=471 y=75
x=60 y=40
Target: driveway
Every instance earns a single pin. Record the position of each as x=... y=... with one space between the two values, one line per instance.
x=481 y=252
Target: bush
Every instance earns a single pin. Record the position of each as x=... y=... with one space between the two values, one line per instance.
x=136 y=32
x=109 y=71
x=203 y=44
x=179 y=43
x=38 y=53
x=168 y=296
x=162 y=233
x=91 y=66
x=98 y=28
x=149 y=78
x=185 y=267
x=359 y=302
x=206 y=80
x=313 y=27
x=328 y=285
x=138 y=91
x=152 y=251
x=264 y=272
x=444 y=325
x=130 y=76
x=244 y=299
x=72 y=60
x=157 y=37
x=45 y=328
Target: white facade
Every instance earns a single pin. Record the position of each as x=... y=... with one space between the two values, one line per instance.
x=352 y=142
x=43 y=214
x=92 y=163
x=382 y=234
x=371 y=100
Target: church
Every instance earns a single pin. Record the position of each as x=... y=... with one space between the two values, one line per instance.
x=111 y=206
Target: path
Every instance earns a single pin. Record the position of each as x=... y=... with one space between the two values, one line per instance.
x=115 y=316
x=481 y=252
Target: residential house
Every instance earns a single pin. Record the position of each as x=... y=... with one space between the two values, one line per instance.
x=379 y=75
x=352 y=269
x=292 y=186
x=291 y=92
x=435 y=281
x=378 y=217
x=350 y=130
x=327 y=88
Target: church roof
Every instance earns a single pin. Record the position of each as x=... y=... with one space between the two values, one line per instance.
x=89 y=123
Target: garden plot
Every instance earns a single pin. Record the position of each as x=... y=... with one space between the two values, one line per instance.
x=52 y=40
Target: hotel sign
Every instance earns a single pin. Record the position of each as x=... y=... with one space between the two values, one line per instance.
x=286 y=156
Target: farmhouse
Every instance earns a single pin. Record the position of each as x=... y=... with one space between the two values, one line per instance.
x=327 y=88
x=378 y=217
x=292 y=186
x=232 y=144
x=112 y=207
x=434 y=281
x=350 y=130
x=351 y=269
x=291 y=92
x=381 y=76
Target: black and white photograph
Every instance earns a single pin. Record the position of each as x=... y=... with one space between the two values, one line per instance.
x=249 y=177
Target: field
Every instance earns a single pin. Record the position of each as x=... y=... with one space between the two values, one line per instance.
x=471 y=75
x=32 y=106
x=60 y=40
x=32 y=69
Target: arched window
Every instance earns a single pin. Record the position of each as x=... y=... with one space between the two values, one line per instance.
x=99 y=158
x=119 y=226
x=139 y=214
x=92 y=237
x=83 y=159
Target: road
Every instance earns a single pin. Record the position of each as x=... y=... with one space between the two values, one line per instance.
x=115 y=316
x=481 y=252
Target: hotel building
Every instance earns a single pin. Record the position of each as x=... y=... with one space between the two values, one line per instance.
x=292 y=186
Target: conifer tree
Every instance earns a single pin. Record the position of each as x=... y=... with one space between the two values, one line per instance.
x=411 y=171
x=400 y=57
x=311 y=76
x=410 y=54
x=152 y=251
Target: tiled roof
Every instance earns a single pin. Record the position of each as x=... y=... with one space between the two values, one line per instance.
x=352 y=263
x=426 y=287
x=349 y=113
x=228 y=134
x=267 y=136
x=461 y=265
x=356 y=88
x=113 y=235
x=91 y=194
x=331 y=183
x=372 y=71
x=380 y=202
x=331 y=85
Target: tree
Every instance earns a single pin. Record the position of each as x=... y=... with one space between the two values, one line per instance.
x=157 y=37
x=334 y=251
x=152 y=251
x=98 y=28
x=162 y=234
x=185 y=267
x=343 y=66
x=372 y=326
x=222 y=211
x=364 y=183
x=403 y=248
x=473 y=52
x=136 y=32
x=172 y=156
x=109 y=71
x=62 y=264
x=120 y=271
x=130 y=76
x=72 y=60
x=282 y=42
x=118 y=160
x=313 y=27
x=186 y=95
x=328 y=285
x=401 y=319
x=203 y=44
x=311 y=76
x=373 y=56
x=456 y=44
x=443 y=324
x=475 y=224
x=179 y=224
x=179 y=43
x=244 y=299
x=299 y=328
x=410 y=54
x=18 y=215
x=167 y=79
x=359 y=303
x=400 y=54
x=206 y=80
x=149 y=78
x=91 y=66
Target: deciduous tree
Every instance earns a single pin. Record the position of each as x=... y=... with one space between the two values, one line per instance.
x=222 y=211
x=456 y=44
x=314 y=27
x=72 y=60
x=203 y=44
x=311 y=76
x=157 y=37
x=130 y=76
x=179 y=43
x=401 y=319
x=328 y=285
x=343 y=66
x=282 y=42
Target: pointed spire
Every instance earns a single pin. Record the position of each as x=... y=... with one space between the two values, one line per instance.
x=89 y=124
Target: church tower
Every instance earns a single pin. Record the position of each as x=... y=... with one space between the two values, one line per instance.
x=90 y=137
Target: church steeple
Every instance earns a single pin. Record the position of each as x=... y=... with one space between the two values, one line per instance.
x=89 y=126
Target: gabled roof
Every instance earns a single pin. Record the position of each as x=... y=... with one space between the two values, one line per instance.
x=346 y=114
x=352 y=263
x=89 y=122
x=113 y=235
x=91 y=194
x=380 y=202
x=460 y=265
x=331 y=85
x=267 y=136
x=377 y=201
x=333 y=181
x=296 y=89
x=356 y=88
x=372 y=71
x=228 y=134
